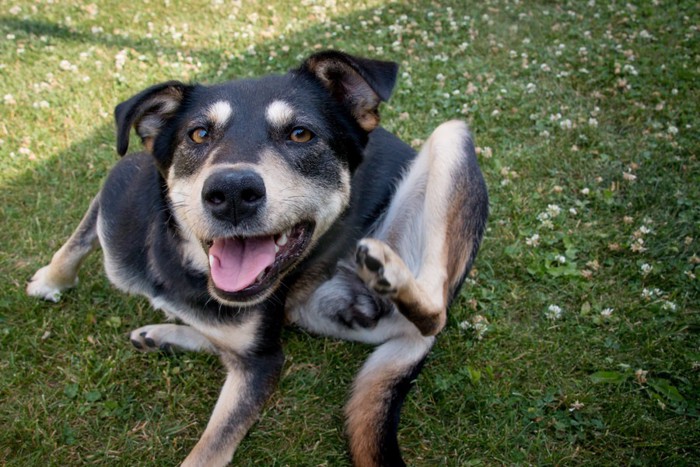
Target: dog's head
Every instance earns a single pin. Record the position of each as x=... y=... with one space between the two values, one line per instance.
x=257 y=170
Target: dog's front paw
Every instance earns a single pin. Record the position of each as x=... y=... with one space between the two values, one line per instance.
x=360 y=309
x=152 y=338
x=169 y=337
x=44 y=286
x=380 y=267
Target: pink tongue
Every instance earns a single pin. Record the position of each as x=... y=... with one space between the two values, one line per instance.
x=236 y=262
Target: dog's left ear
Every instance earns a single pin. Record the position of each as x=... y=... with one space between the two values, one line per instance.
x=359 y=83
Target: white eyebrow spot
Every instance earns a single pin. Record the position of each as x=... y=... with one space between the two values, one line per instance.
x=219 y=113
x=279 y=113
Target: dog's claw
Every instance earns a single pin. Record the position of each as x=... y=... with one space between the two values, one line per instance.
x=363 y=258
x=136 y=344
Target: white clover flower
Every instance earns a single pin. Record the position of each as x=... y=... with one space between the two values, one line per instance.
x=576 y=406
x=553 y=210
x=638 y=246
x=533 y=241
x=630 y=69
x=593 y=122
x=607 y=312
x=120 y=59
x=561 y=259
x=573 y=211
x=646 y=268
x=553 y=312
x=668 y=306
x=479 y=324
x=566 y=124
x=9 y=99
x=672 y=130
x=585 y=191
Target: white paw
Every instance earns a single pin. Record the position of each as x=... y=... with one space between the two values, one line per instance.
x=41 y=285
x=380 y=267
x=151 y=338
x=168 y=338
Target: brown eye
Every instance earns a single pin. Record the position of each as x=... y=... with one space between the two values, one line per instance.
x=301 y=135
x=199 y=135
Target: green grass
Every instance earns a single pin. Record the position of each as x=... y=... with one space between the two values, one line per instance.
x=575 y=106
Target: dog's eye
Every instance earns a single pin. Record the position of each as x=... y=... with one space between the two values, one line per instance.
x=199 y=135
x=301 y=135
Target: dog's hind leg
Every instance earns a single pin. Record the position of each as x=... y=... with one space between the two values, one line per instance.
x=62 y=272
x=419 y=256
x=423 y=248
x=372 y=413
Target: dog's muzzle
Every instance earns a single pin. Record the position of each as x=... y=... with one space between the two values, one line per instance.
x=234 y=195
x=247 y=265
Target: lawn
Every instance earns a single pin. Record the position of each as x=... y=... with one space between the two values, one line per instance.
x=575 y=341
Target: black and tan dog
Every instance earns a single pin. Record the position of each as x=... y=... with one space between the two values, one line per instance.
x=280 y=199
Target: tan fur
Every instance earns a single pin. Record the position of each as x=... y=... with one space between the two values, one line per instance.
x=62 y=272
x=211 y=449
x=365 y=412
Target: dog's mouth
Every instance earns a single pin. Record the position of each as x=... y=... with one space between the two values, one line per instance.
x=243 y=267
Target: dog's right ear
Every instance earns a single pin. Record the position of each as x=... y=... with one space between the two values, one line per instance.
x=147 y=111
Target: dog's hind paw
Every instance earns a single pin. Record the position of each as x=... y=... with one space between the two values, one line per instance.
x=44 y=286
x=380 y=267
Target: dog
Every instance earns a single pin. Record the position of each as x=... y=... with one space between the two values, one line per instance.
x=260 y=202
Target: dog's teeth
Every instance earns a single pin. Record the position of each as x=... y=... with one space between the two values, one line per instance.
x=277 y=249
x=282 y=241
x=211 y=260
x=260 y=276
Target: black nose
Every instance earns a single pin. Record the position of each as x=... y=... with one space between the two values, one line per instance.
x=234 y=195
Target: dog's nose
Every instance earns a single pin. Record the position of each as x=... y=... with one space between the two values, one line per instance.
x=234 y=195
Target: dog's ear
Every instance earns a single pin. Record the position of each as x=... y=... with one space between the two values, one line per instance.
x=147 y=111
x=359 y=83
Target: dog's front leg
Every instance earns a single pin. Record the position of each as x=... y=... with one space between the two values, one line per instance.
x=249 y=382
